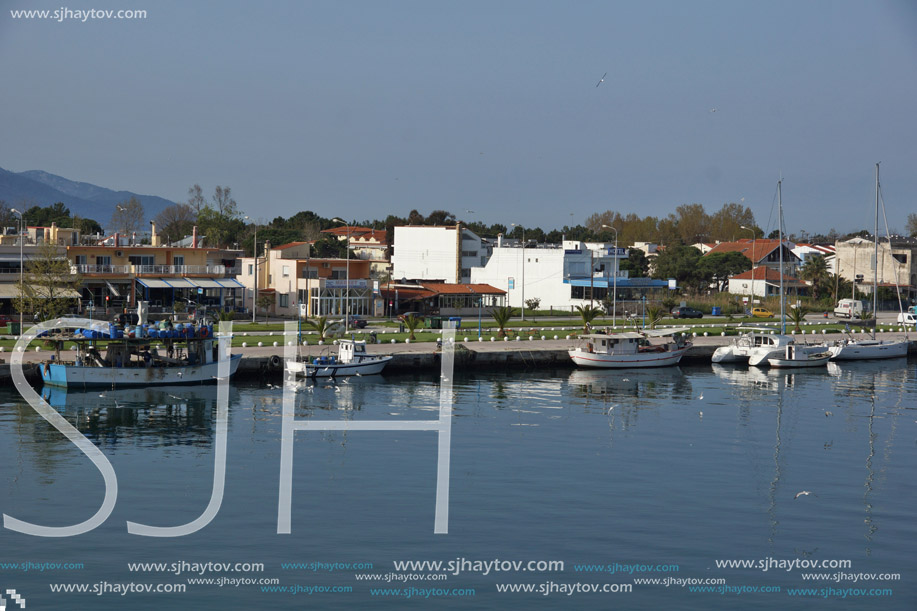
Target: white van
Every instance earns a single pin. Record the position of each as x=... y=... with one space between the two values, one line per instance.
x=848 y=308
x=907 y=318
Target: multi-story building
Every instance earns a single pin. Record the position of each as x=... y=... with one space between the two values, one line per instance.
x=367 y=244
x=856 y=263
x=446 y=253
x=323 y=286
x=563 y=276
x=118 y=272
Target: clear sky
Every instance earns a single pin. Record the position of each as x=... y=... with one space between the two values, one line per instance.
x=361 y=109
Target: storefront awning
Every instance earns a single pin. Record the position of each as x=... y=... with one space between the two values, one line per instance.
x=154 y=283
x=229 y=283
x=112 y=288
x=180 y=283
x=9 y=291
x=205 y=283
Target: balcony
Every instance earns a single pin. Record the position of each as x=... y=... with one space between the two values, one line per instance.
x=151 y=270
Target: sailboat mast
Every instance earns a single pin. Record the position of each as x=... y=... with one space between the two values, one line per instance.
x=780 y=236
x=875 y=260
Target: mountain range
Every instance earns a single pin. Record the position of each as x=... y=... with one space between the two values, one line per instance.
x=39 y=188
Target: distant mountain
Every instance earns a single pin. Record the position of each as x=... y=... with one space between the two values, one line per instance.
x=36 y=187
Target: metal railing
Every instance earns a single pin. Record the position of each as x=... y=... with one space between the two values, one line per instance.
x=151 y=270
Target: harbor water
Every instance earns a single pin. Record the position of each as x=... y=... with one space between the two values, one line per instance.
x=696 y=487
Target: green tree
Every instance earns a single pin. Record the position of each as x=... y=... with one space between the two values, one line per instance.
x=265 y=301
x=654 y=313
x=721 y=265
x=411 y=322
x=636 y=264
x=797 y=314
x=320 y=325
x=329 y=247
x=587 y=315
x=681 y=263
x=48 y=286
x=218 y=221
x=815 y=270
x=502 y=317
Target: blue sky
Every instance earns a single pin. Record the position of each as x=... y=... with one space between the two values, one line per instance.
x=361 y=109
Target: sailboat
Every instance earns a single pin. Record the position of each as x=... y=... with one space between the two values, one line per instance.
x=849 y=349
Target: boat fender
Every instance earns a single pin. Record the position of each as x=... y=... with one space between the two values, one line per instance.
x=205 y=332
x=275 y=362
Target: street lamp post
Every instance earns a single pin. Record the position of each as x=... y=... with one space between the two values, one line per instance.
x=21 y=278
x=523 y=268
x=255 y=259
x=347 y=276
x=614 y=290
x=751 y=293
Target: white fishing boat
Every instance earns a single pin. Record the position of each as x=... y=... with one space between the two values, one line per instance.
x=755 y=341
x=654 y=348
x=850 y=349
x=352 y=359
x=798 y=355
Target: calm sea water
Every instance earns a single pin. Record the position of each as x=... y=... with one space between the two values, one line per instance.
x=672 y=470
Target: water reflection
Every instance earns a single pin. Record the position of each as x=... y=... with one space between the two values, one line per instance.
x=161 y=415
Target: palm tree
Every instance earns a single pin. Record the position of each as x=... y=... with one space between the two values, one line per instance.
x=588 y=314
x=653 y=315
x=797 y=315
x=502 y=317
x=815 y=270
x=320 y=325
x=412 y=322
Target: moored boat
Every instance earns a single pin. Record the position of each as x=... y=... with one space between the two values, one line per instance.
x=191 y=356
x=631 y=349
x=352 y=359
x=797 y=355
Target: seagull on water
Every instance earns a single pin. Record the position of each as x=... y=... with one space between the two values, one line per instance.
x=601 y=80
x=804 y=493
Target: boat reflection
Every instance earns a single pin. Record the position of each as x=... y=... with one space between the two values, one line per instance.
x=168 y=415
x=662 y=382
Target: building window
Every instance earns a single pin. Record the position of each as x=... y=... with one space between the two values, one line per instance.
x=338 y=274
x=310 y=273
x=466 y=272
x=106 y=260
x=141 y=260
x=469 y=253
x=284 y=300
x=80 y=260
x=251 y=269
x=286 y=271
x=178 y=260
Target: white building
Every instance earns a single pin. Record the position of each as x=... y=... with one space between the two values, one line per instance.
x=437 y=253
x=558 y=276
x=807 y=251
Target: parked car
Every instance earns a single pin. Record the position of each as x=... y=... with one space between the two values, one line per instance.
x=907 y=318
x=357 y=323
x=761 y=313
x=686 y=312
x=4 y=320
x=401 y=317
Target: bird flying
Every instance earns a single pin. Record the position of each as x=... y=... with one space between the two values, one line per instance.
x=601 y=80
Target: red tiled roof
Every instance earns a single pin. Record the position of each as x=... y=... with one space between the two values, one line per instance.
x=755 y=250
x=766 y=273
x=352 y=230
x=290 y=245
x=462 y=289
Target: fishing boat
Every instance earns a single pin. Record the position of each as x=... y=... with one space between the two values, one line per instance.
x=632 y=349
x=140 y=355
x=797 y=355
x=352 y=359
x=850 y=349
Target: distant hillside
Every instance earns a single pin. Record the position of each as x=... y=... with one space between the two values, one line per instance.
x=36 y=187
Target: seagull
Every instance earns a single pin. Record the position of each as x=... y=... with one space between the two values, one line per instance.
x=804 y=493
x=701 y=414
x=601 y=80
x=180 y=374
x=337 y=389
x=102 y=394
x=713 y=109
x=701 y=397
x=176 y=397
x=828 y=414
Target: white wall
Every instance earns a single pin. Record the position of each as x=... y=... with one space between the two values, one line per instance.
x=432 y=253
